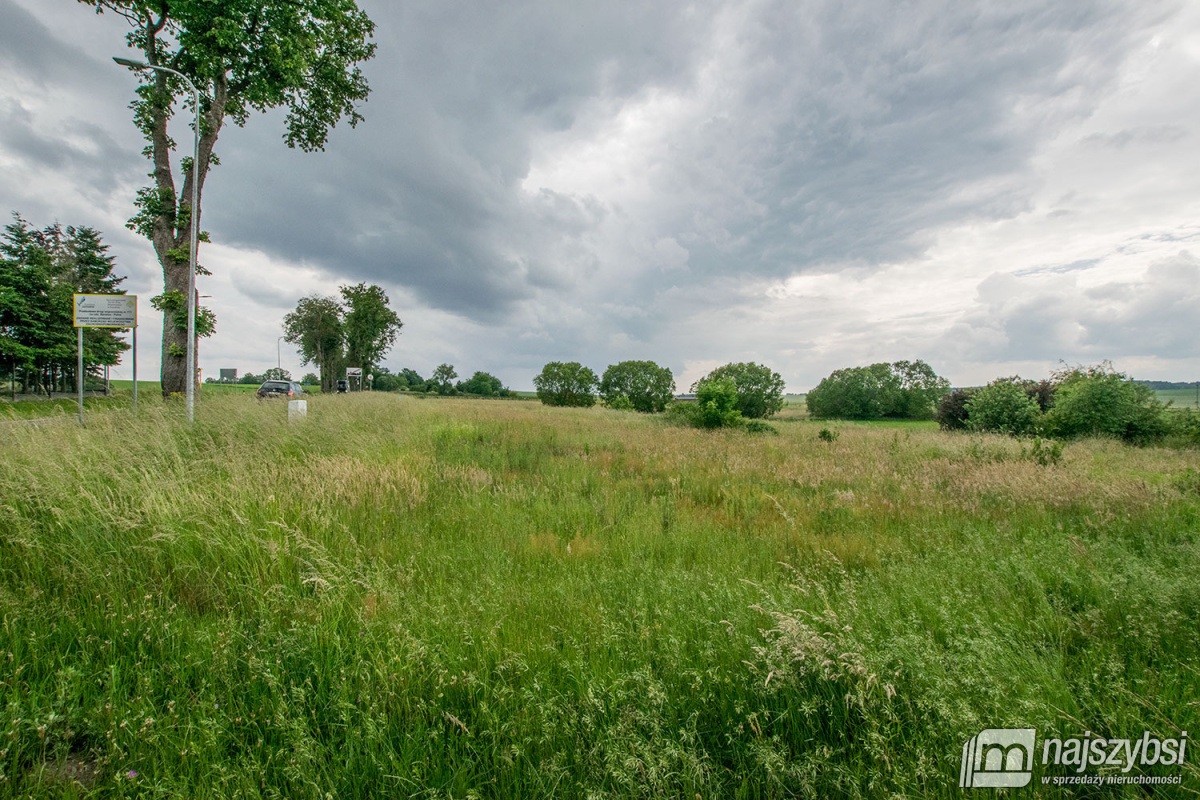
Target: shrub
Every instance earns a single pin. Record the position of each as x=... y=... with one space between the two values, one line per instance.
x=715 y=406
x=641 y=385
x=827 y=435
x=566 y=384
x=1185 y=427
x=1045 y=451
x=716 y=399
x=903 y=390
x=1003 y=407
x=620 y=403
x=758 y=426
x=1098 y=401
x=759 y=390
x=952 y=410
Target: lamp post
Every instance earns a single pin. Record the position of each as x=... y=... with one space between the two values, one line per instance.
x=279 y=358
x=195 y=213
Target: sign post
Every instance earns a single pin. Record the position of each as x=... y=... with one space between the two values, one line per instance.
x=104 y=311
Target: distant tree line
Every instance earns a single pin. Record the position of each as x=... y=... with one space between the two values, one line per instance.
x=726 y=397
x=272 y=374
x=441 y=382
x=40 y=271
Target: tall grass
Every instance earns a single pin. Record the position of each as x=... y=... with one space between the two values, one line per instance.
x=406 y=598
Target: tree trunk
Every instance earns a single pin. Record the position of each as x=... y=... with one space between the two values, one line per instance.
x=174 y=341
x=173 y=225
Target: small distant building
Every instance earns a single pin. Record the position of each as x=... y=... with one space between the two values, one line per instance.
x=685 y=398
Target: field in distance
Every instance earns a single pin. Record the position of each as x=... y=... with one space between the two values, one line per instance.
x=497 y=600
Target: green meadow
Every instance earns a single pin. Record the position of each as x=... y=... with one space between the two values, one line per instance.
x=445 y=598
x=1180 y=398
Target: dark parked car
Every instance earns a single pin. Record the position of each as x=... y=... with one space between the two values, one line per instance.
x=280 y=389
x=343 y=386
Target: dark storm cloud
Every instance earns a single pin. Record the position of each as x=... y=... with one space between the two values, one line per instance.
x=84 y=149
x=424 y=193
x=847 y=136
x=29 y=49
x=604 y=179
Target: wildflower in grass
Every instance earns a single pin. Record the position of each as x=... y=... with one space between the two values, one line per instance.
x=131 y=774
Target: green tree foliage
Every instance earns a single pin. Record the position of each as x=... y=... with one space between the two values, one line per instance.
x=412 y=379
x=952 y=410
x=443 y=378
x=1041 y=392
x=299 y=55
x=759 y=390
x=369 y=327
x=566 y=384
x=276 y=374
x=311 y=379
x=250 y=379
x=383 y=380
x=1003 y=406
x=483 y=384
x=1099 y=401
x=40 y=271
x=901 y=390
x=315 y=328
x=1185 y=429
x=639 y=385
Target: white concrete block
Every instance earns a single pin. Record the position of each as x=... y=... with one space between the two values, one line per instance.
x=297 y=409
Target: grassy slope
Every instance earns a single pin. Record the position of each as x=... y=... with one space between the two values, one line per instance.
x=1180 y=398
x=434 y=599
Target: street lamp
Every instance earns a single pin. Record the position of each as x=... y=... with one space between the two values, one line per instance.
x=191 y=293
x=279 y=358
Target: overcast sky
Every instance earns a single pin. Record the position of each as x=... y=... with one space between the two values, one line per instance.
x=993 y=187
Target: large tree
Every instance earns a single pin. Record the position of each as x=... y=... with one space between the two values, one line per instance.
x=641 y=385
x=301 y=55
x=315 y=327
x=902 y=389
x=759 y=390
x=566 y=384
x=370 y=327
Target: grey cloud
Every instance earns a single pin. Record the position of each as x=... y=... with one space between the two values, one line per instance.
x=263 y=293
x=1155 y=134
x=28 y=48
x=1016 y=319
x=427 y=189
x=83 y=148
x=1156 y=315
x=824 y=136
x=847 y=137
x=1060 y=269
